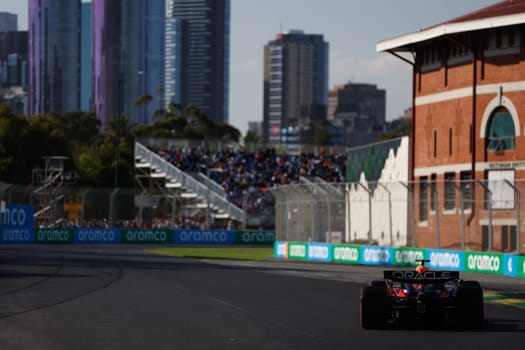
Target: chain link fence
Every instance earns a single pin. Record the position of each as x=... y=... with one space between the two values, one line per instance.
x=468 y=214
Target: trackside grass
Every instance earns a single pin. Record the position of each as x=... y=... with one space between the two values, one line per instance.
x=231 y=253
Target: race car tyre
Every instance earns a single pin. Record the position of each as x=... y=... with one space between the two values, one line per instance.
x=374 y=307
x=469 y=306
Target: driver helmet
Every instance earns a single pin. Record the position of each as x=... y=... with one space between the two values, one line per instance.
x=422 y=268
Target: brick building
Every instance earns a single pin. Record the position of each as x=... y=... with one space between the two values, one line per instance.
x=468 y=139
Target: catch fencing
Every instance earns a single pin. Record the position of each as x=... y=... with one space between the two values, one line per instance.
x=467 y=214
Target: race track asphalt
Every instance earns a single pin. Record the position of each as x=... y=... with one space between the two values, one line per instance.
x=121 y=297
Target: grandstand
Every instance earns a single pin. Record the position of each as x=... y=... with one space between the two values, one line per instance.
x=223 y=182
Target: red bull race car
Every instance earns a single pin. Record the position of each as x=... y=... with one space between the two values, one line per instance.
x=422 y=298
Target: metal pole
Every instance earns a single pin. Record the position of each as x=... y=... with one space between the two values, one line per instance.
x=462 y=211
x=436 y=219
x=489 y=208
x=348 y=224
x=490 y=221
x=83 y=212
x=112 y=208
x=173 y=210
x=369 y=213
x=117 y=131
x=313 y=216
x=389 y=212
x=329 y=225
x=206 y=151
x=411 y=212
x=517 y=196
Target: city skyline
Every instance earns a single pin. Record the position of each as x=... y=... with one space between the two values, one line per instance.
x=347 y=25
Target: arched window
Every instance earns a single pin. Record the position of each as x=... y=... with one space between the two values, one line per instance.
x=500 y=131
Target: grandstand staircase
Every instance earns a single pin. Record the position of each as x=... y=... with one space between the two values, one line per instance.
x=196 y=194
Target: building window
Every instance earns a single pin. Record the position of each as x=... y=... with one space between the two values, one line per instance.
x=433 y=192
x=450 y=191
x=423 y=199
x=466 y=189
x=450 y=142
x=500 y=132
x=460 y=50
x=431 y=59
x=503 y=41
x=470 y=138
x=435 y=143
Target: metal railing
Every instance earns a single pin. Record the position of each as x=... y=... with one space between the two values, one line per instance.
x=188 y=183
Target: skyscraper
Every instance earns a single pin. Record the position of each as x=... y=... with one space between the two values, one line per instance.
x=198 y=55
x=13 y=59
x=8 y=22
x=128 y=58
x=86 y=63
x=295 y=84
x=54 y=56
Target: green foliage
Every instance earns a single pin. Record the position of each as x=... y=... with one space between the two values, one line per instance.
x=186 y=123
x=399 y=131
x=24 y=141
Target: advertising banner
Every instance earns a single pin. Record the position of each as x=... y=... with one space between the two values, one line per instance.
x=483 y=262
x=17 y=224
x=297 y=251
x=97 y=235
x=445 y=259
x=18 y=235
x=280 y=250
x=54 y=236
x=203 y=237
x=521 y=266
x=146 y=236
x=372 y=255
x=320 y=252
x=510 y=265
x=407 y=256
x=245 y=237
x=16 y=216
x=346 y=254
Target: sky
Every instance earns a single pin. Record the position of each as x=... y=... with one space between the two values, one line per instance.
x=352 y=28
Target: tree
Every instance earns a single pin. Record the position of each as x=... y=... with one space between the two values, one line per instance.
x=402 y=129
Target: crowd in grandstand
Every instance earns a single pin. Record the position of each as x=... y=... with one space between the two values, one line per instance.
x=241 y=173
x=181 y=222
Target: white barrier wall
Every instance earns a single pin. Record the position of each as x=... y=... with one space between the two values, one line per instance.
x=383 y=206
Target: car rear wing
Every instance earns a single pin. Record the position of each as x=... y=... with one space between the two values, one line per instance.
x=426 y=277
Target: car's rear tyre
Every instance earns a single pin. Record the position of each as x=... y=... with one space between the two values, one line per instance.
x=374 y=309
x=469 y=306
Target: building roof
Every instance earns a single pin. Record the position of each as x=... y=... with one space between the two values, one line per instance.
x=503 y=13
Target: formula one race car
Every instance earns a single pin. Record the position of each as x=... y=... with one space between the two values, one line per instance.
x=422 y=297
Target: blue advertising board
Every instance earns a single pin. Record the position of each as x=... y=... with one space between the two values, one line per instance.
x=510 y=265
x=319 y=252
x=445 y=259
x=203 y=237
x=97 y=235
x=18 y=224
x=373 y=255
x=280 y=250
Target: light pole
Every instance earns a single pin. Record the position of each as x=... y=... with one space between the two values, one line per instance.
x=117 y=130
